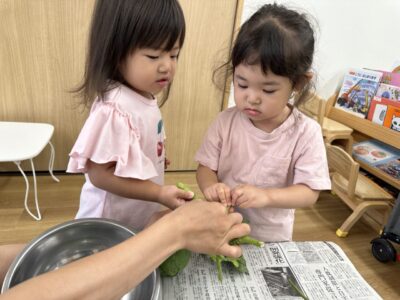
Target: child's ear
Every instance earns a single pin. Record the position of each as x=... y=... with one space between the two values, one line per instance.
x=309 y=75
x=306 y=78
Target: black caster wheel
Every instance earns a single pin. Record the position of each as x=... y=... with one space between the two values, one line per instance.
x=383 y=250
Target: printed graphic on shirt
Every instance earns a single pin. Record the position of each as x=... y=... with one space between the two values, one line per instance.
x=160 y=144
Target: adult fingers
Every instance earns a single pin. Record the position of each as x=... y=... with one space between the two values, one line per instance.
x=236 y=231
x=229 y=250
x=235 y=218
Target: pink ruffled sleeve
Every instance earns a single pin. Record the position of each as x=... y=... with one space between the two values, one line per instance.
x=108 y=136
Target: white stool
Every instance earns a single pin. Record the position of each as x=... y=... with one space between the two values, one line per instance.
x=21 y=141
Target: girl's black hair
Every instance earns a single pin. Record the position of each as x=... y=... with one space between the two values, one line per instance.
x=280 y=40
x=118 y=28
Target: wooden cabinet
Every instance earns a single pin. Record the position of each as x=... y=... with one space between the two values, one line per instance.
x=42 y=53
x=194 y=100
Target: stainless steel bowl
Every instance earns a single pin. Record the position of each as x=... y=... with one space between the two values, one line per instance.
x=70 y=241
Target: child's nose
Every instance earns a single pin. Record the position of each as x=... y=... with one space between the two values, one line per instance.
x=166 y=65
x=253 y=99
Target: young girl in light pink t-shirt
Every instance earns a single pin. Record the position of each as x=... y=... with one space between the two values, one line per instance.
x=263 y=156
x=133 y=51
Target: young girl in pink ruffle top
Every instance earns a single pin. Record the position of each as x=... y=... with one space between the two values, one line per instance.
x=133 y=51
x=263 y=156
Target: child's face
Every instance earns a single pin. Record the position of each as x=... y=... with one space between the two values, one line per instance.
x=263 y=98
x=149 y=71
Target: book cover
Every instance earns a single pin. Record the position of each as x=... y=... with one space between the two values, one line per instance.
x=392 y=118
x=391 y=78
x=378 y=155
x=379 y=108
x=373 y=151
x=358 y=88
x=391 y=167
x=388 y=91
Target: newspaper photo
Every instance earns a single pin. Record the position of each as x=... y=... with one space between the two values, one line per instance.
x=288 y=270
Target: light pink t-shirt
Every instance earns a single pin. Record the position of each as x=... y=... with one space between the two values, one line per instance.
x=127 y=129
x=294 y=153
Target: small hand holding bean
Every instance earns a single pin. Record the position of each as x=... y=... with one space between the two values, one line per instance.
x=173 y=197
x=247 y=196
x=218 y=192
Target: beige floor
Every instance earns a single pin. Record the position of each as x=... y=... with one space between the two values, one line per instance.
x=59 y=202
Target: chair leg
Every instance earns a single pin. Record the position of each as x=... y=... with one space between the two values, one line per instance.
x=349 y=145
x=357 y=214
x=51 y=162
x=39 y=216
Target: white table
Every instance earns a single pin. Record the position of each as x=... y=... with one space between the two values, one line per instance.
x=22 y=141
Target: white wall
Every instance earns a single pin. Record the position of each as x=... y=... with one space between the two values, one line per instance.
x=350 y=33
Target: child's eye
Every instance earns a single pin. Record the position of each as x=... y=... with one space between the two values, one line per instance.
x=152 y=56
x=269 y=91
x=174 y=56
x=242 y=86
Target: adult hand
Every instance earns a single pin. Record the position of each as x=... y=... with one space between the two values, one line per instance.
x=157 y=216
x=219 y=192
x=206 y=227
x=173 y=197
x=199 y=226
x=247 y=196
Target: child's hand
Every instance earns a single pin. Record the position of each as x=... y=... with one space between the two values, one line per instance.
x=172 y=197
x=246 y=196
x=167 y=162
x=219 y=192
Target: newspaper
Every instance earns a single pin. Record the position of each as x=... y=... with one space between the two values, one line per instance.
x=288 y=270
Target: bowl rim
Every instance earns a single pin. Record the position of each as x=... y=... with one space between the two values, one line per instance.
x=92 y=221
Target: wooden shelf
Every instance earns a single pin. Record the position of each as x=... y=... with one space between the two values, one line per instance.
x=380 y=174
x=378 y=132
x=366 y=129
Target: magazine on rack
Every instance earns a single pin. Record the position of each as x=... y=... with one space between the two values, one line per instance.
x=388 y=91
x=287 y=270
x=385 y=112
x=358 y=88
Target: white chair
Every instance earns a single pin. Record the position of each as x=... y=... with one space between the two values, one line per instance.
x=21 y=141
